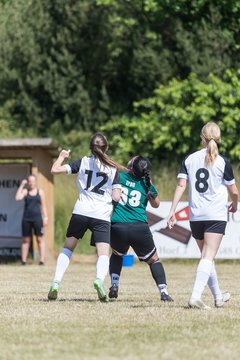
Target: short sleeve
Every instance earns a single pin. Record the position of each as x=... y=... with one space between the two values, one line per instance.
x=73 y=167
x=228 y=173
x=116 y=184
x=153 y=189
x=183 y=173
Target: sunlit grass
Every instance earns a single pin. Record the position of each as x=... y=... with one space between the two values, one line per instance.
x=136 y=326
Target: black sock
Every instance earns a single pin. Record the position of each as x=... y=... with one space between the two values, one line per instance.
x=115 y=264
x=158 y=273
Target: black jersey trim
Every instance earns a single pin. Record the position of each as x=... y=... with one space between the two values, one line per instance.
x=75 y=166
x=228 y=171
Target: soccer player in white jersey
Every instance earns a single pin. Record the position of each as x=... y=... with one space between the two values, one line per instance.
x=210 y=178
x=99 y=184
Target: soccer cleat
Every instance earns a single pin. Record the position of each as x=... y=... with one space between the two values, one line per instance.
x=53 y=292
x=113 y=292
x=198 y=303
x=98 y=285
x=165 y=297
x=225 y=297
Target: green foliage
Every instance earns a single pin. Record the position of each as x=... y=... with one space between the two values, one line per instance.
x=68 y=65
x=76 y=141
x=45 y=81
x=8 y=127
x=167 y=125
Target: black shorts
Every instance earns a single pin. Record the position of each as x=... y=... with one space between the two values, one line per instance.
x=210 y=226
x=135 y=234
x=79 y=224
x=29 y=226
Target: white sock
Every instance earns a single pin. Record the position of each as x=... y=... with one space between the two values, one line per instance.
x=115 y=279
x=163 y=288
x=203 y=273
x=102 y=267
x=62 y=265
x=213 y=284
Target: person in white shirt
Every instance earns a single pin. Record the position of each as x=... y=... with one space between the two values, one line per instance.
x=210 y=177
x=99 y=185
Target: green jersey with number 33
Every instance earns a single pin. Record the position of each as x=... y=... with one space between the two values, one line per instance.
x=133 y=202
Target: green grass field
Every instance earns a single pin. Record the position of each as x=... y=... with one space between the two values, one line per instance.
x=136 y=326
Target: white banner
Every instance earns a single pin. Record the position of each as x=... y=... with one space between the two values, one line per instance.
x=178 y=242
x=11 y=211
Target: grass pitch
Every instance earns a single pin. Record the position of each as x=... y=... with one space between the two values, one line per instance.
x=135 y=326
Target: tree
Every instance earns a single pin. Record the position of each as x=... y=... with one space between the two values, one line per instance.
x=75 y=64
x=167 y=125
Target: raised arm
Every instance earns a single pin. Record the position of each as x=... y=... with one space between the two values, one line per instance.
x=233 y=192
x=57 y=167
x=180 y=188
x=21 y=192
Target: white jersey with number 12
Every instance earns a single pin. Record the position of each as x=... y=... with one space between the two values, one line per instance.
x=95 y=182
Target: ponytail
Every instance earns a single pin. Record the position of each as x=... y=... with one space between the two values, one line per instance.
x=212 y=152
x=140 y=167
x=98 y=147
x=105 y=159
x=211 y=136
x=150 y=196
x=147 y=179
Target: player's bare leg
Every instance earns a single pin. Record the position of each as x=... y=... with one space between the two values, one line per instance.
x=62 y=265
x=25 y=249
x=102 y=267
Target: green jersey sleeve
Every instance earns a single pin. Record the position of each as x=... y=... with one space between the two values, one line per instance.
x=153 y=190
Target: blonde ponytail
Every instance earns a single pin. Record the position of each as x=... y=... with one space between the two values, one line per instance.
x=212 y=152
x=211 y=136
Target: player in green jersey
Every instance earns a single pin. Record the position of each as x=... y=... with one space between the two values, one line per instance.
x=130 y=228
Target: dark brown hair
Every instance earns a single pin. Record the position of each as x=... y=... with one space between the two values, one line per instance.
x=141 y=168
x=98 y=147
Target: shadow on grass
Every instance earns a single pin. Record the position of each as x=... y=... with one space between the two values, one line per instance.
x=86 y=300
x=68 y=300
x=160 y=305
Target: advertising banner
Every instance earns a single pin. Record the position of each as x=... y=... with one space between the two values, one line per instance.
x=11 y=211
x=178 y=242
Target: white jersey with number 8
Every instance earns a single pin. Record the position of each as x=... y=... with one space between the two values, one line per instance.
x=208 y=195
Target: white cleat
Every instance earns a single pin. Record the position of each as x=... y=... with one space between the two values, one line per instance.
x=225 y=297
x=198 y=303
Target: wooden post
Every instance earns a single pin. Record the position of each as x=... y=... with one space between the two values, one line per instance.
x=41 y=167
